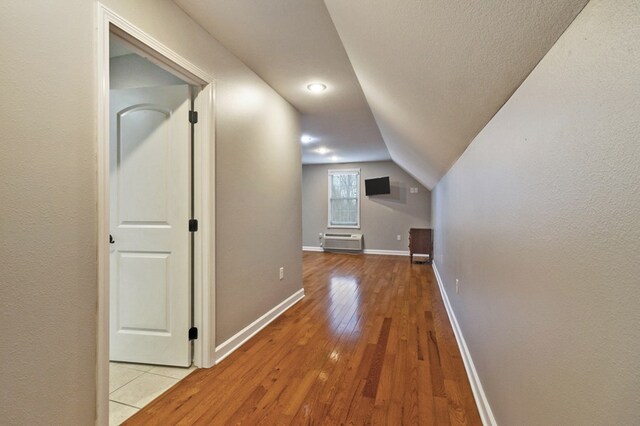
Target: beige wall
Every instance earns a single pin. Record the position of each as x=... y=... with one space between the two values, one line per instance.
x=382 y=217
x=48 y=269
x=540 y=221
x=48 y=292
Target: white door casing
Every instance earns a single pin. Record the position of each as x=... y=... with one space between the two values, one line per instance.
x=109 y=23
x=149 y=213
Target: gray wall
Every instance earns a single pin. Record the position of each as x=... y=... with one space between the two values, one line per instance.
x=382 y=217
x=48 y=291
x=540 y=221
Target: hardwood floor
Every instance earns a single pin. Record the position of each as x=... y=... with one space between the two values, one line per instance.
x=370 y=343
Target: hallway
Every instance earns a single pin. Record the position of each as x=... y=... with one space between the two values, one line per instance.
x=369 y=343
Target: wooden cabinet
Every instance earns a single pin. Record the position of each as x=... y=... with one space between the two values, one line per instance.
x=420 y=242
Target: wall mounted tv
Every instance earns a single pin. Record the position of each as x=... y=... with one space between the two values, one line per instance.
x=377 y=186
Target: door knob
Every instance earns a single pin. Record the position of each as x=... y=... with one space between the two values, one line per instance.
x=111 y=240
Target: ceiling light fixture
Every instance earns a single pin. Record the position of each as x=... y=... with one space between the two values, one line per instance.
x=316 y=87
x=334 y=158
x=306 y=139
x=322 y=150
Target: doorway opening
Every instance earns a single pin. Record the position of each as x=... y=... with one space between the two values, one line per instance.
x=150 y=205
x=155 y=242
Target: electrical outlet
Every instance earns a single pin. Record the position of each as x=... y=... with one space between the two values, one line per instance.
x=282 y=272
x=457 y=286
x=399 y=237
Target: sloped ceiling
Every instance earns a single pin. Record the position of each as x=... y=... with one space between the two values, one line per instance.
x=433 y=72
x=291 y=43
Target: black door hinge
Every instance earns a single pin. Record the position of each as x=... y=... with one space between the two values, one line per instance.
x=193 y=117
x=193 y=225
x=193 y=333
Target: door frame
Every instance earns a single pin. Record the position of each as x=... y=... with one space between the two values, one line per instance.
x=109 y=22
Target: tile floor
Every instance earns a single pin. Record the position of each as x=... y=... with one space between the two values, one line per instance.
x=132 y=386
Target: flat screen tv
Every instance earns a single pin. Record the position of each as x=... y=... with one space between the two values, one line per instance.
x=377 y=186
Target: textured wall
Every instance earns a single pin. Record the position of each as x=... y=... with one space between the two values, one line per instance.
x=48 y=292
x=540 y=221
x=382 y=217
x=48 y=286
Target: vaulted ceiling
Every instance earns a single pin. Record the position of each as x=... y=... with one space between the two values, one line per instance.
x=415 y=80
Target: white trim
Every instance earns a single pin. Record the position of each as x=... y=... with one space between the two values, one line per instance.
x=387 y=252
x=204 y=284
x=343 y=171
x=156 y=52
x=370 y=251
x=486 y=415
x=108 y=22
x=102 y=148
x=233 y=343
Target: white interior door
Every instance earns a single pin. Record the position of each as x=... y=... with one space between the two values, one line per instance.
x=149 y=214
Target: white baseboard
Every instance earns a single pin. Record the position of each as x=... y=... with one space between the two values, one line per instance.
x=387 y=252
x=225 y=349
x=370 y=251
x=484 y=408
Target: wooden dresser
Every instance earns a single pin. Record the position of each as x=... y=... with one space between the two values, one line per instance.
x=420 y=242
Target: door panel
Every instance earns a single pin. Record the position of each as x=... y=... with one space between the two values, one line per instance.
x=149 y=213
x=143 y=278
x=144 y=143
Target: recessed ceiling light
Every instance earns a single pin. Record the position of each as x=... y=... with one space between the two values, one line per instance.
x=317 y=87
x=334 y=158
x=306 y=139
x=322 y=150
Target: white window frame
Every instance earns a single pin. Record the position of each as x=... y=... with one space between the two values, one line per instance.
x=330 y=173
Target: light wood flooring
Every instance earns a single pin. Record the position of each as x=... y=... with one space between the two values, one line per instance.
x=370 y=343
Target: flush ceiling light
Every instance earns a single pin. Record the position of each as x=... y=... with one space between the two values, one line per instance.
x=317 y=87
x=322 y=150
x=306 y=139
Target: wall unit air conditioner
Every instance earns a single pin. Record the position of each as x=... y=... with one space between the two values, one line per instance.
x=339 y=241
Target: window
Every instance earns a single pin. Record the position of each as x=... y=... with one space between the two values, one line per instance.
x=344 y=198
